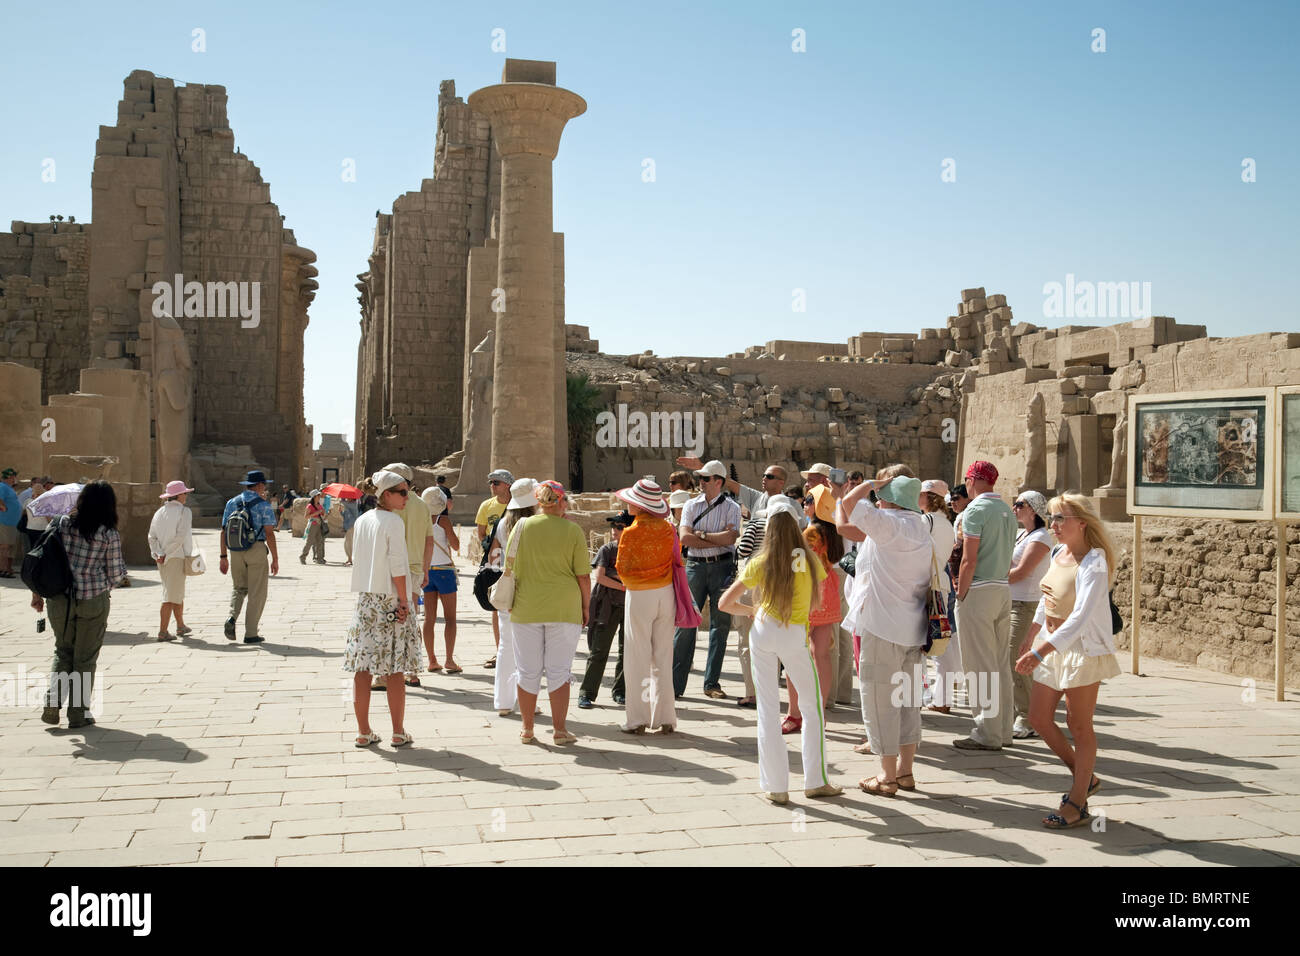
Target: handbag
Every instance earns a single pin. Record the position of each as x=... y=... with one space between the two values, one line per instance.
x=938 y=631
x=1116 y=622
x=194 y=565
x=502 y=594
x=687 y=614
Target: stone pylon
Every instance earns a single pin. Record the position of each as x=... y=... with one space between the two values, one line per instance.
x=529 y=421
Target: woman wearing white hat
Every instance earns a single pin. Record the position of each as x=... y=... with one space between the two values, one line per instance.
x=1030 y=559
x=647 y=553
x=442 y=577
x=505 y=682
x=171 y=541
x=382 y=638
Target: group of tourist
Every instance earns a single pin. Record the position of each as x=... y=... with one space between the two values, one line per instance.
x=1033 y=619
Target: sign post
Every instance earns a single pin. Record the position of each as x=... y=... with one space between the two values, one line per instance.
x=1137 y=590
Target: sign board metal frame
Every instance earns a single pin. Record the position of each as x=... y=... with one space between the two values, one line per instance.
x=1265 y=396
x=1279 y=447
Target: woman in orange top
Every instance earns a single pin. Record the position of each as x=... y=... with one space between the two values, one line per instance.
x=825 y=542
x=646 y=554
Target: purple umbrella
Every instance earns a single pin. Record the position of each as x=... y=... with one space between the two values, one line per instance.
x=59 y=500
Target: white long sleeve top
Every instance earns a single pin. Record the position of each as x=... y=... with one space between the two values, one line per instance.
x=1089 y=622
x=378 y=552
x=170 y=531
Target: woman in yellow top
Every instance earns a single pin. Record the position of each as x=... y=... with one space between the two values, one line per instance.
x=824 y=622
x=787 y=580
x=646 y=554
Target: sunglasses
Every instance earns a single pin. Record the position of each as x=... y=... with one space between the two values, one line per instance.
x=809 y=500
x=1020 y=504
x=772 y=478
x=1058 y=517
x=397 y=491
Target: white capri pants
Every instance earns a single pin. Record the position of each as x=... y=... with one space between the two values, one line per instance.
x=947 y=670
x=544 y=648
x=769 y=641
x=890 y=675
x=506 y=677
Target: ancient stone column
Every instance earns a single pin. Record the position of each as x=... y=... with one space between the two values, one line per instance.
x=527 y=120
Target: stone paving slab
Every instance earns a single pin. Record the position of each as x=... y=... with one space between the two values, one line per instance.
x=212 y=753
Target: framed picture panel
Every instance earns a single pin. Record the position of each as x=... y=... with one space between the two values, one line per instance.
x=1205 y=454
x=1287 y=441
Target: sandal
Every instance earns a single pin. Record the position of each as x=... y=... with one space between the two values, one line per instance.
x=879 y=788
x=413 y=681
x=526 y=737
x=1054 y=821
x=563 y=737
x=633 y=730
x=747 y=702
x=402 y=740
x=491 y=662
x=934 y=708
x=1092 y=788
x=792 y=724
x=166 y=636
x=909 y=785
x=184 y=630
x=365 y=740
x=863 y=748
x=6 y=574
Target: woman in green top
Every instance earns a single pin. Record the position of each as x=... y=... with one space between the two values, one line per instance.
x=552 y=571
x=785 y=576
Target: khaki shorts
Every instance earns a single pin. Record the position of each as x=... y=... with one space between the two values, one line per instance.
x=8 y=535
x=173 y=580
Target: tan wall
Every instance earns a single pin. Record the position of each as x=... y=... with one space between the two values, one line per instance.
x=20 y=418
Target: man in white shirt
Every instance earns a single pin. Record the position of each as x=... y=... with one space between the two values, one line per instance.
x=709 y=529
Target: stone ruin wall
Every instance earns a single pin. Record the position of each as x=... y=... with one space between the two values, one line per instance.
x=170 y=194
x=413 y=296
x=44 y=322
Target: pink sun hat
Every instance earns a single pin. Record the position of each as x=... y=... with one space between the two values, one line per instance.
x=175 y=488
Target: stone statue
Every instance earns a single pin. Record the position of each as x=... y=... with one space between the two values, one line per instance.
x=1119 y=453
x=478 y=429
x=1035 y=445
x=173 y=398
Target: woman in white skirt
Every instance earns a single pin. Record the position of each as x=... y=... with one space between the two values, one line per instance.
x=505 y=681
x=786 y=577
x=383 y=639
x=171 y=540
x=1078 y=652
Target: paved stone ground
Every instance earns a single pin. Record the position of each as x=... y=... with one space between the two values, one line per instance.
x=209 y=752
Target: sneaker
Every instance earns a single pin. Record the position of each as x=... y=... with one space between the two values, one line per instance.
x=584 y=702
x=85 y=721
x=230 y=628
x=966 y=743
x=253 y=639
x=620 y=699
x=1022 y=730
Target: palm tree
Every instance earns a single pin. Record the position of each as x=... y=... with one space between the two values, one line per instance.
x=585 y=402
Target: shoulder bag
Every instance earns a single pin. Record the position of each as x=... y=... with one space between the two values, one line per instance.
x=938 y=630
x=502 y=594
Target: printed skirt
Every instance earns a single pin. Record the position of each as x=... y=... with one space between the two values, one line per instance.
x=377 y=643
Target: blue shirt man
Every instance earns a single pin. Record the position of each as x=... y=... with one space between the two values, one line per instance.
x=248 y=569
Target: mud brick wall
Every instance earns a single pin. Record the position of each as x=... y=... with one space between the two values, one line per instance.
x=44 y=317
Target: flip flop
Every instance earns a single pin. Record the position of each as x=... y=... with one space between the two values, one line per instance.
x=455 y=670
x=434 y=668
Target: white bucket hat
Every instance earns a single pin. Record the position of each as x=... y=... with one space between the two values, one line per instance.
x=818 y=469
x=383 y=480
x=401 y=469
x=436 y=499
x=678 y=499
x=521 y=495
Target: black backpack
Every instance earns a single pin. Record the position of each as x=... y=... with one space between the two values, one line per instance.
x=46 y=570
x=240 y=533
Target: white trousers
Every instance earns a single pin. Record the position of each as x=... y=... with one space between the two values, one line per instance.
x=544 y=649
x=649 y=623
x=507 y=677
x=770 y=641
x=947 y=663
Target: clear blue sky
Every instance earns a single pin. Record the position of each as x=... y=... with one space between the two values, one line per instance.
x=775 y=170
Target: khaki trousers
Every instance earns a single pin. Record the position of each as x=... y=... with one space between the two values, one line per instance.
x=1022 y=615
x=347 y=544
x=649 y=623
x=79 y=626
x=249 y=571
x=743 y=624
x=984 y=623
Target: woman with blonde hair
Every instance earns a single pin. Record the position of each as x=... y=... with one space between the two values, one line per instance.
x=786 y=578
x=552 y=599
x=1078 y=652
x=824 y=622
